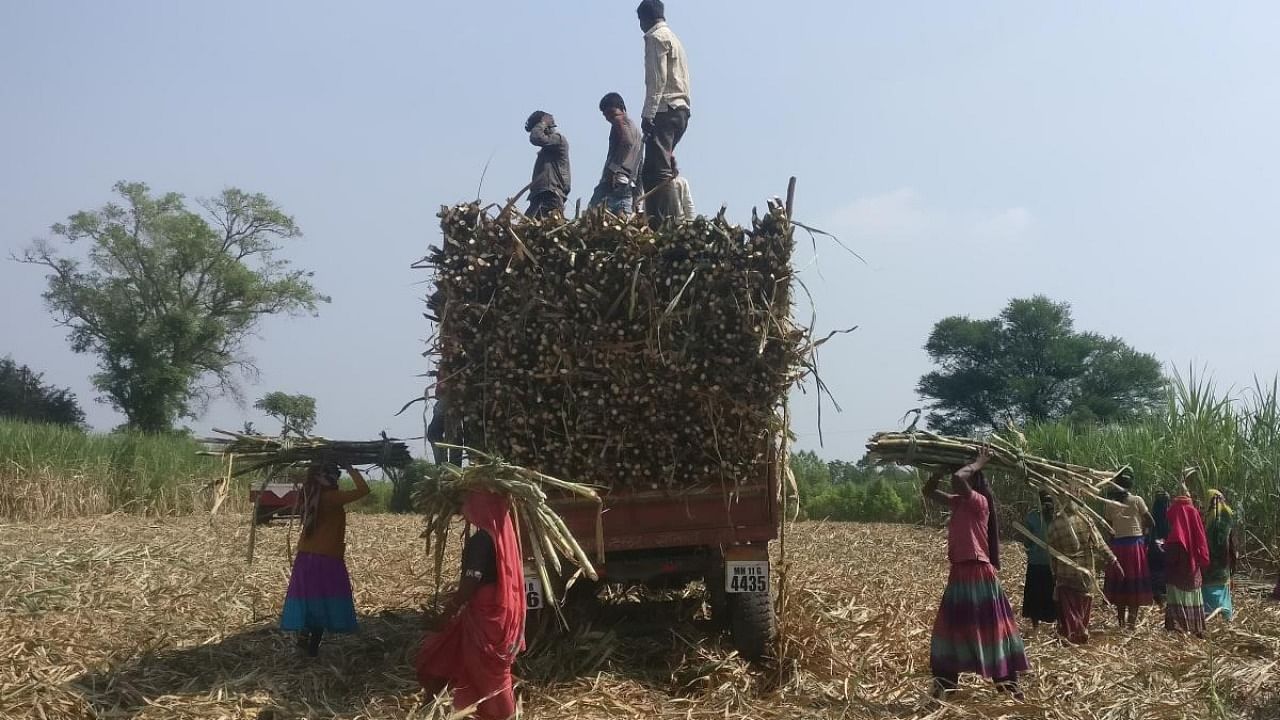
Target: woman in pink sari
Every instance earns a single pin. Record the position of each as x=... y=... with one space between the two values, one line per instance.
x=483 y=623
x=1187 y=555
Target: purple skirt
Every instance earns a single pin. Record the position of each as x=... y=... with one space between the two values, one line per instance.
x=319 y=596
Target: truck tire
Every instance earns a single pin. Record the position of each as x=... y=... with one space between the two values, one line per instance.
x=753 y=626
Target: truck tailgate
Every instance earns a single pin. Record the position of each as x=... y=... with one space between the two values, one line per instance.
x=665 y=519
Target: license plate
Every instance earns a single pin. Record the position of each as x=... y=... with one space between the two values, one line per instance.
x=532 y=592
x=746 y=576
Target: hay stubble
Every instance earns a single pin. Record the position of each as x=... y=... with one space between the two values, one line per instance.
x=126 y=617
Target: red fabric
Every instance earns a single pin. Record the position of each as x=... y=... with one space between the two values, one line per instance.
x=1074 y=609
x=967 y=530
x=474 y=652
x=1186 y=529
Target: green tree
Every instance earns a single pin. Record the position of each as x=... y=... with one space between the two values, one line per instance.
x=296 y=413
x=882 y=503
x=25 y=396
x=167 y=297
x=1030 y=364
x=811 y=474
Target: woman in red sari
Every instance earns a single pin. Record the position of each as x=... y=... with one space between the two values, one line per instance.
x=1186 y=557
x=483 y=623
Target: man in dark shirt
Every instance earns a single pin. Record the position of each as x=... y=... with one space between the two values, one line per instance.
x=550 y=186
x=618 y=183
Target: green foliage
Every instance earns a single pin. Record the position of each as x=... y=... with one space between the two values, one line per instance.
x=166 y=297
x=1031 y=365
x=59 y=470
x=379 y=499
x=25 y=396
x=296 y=413
x=401 y=500
x=839 y=490
x=1233 y=440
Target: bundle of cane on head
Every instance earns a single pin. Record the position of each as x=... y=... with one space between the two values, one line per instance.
x=1067 y=483
x=439 y=498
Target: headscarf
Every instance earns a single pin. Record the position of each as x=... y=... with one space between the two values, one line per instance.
x=319 y=478
x=1123 y=482
x=1046 y=506
x=978 y=483
x=1187 y=529
x=491 y=513
x=1221 y=521
x=1160 y=513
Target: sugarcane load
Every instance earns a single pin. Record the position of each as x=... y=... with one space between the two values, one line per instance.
x=605 y=351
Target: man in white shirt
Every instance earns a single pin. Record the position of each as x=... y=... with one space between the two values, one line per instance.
x=684 y=198
x=666 y=110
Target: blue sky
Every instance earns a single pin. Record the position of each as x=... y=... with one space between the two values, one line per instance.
x=1118 y=156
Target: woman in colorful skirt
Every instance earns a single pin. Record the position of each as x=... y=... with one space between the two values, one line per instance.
x=1186 y=556
x=319 y=598
x=1155 y=545
x=1038 y=603
x=483 y=623
x=1128 y=581
x=1078 y=546
x=975 y=630
x=1221 y=532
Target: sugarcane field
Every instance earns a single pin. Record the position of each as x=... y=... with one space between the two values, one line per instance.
x=952 y=397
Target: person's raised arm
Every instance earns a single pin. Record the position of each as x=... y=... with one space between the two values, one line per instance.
x=544 y=135
x=960 y=480
x=342 y=497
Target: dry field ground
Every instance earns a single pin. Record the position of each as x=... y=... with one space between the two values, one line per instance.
x=125 y=617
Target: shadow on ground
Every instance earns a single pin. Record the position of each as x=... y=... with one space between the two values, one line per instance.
x=665 y=645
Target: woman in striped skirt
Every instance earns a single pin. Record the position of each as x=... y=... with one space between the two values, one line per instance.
x=1186 y=556
x=975 y=630
x=1128 y=581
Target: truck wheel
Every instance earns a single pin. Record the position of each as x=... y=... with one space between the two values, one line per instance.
x=752 y=624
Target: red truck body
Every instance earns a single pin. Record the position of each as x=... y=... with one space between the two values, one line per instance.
x=670 y=536
x=667 y=538
x=660 y=519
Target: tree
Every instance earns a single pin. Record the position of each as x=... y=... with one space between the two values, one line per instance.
x=167 y=297
x=1030 y=364
x=812 y=478
x=25 y=396
x=882 y=503
x=296 y=413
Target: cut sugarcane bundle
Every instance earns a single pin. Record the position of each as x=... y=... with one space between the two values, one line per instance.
x=1068 y=482
x=259 y=452
x=439 y=499
x=600 y=350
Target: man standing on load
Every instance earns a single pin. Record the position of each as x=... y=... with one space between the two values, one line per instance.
x=622 y=164
x=550 y=185
x=666 y=110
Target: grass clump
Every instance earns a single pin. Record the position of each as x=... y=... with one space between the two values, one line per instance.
x=60 y=471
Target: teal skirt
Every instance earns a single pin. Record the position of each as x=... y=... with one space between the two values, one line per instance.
x=319 y=596
x=1218 y=597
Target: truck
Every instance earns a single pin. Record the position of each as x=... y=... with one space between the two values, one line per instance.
x=275 y=499
x=667 y=538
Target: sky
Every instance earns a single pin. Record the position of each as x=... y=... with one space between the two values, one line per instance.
x=1121 y=157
